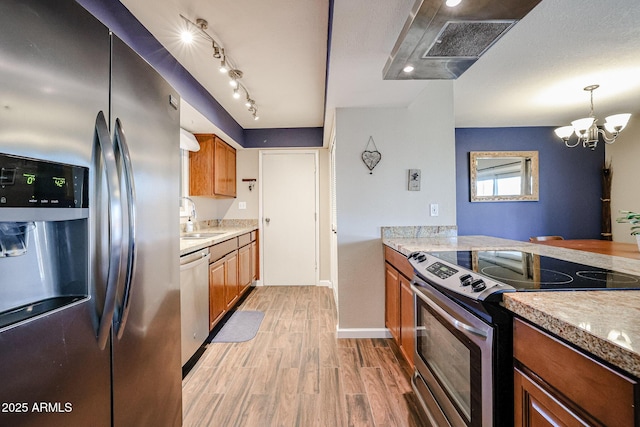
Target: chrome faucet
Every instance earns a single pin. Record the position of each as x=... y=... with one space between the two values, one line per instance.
x=193 y=207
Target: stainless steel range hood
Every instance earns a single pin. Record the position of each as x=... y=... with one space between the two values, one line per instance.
x=442 y=42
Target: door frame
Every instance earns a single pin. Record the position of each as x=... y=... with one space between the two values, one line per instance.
x=263 y=153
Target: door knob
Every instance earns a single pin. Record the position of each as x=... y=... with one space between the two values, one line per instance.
x=267 y=220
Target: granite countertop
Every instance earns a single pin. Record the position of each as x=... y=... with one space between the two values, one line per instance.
x=603 y=323
x=225 y=233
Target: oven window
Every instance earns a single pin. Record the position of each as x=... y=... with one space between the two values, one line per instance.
x=449 y=358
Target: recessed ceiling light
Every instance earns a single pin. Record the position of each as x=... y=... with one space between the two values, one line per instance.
x=453 y=3
x=408 y=69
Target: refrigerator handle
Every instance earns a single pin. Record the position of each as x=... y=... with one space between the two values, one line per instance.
x=126 y=172
x=114 y=213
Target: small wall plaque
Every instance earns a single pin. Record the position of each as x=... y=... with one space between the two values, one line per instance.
x=414 y=179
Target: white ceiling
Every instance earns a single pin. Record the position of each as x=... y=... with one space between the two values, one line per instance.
x=280 y=46
x=533 y=76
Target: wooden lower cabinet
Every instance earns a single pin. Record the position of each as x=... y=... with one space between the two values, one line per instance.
x=392 y=301
x=558 y=385
x=399 y=308
x=407 y=327
x=244 y=268
x=231 y=293
x=255 y=260
x=217 y=303
x=537 y=407
x=231 y=273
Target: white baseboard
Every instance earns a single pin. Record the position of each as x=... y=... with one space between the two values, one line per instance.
x=325 y=283
x=363 y=333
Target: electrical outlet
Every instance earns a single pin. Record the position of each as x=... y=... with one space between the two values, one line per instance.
x=433 y=209
x=242 y=205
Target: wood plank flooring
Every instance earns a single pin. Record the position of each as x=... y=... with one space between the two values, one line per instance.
x=296 y=373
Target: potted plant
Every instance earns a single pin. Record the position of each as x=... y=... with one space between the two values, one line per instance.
x=632 y=218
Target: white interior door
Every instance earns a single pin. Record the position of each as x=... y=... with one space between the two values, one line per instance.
x=289 y=218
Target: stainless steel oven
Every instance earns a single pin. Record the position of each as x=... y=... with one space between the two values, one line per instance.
x=454 y=353
x=463 y=352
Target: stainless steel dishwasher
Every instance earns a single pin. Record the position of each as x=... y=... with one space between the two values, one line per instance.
x=194 y=301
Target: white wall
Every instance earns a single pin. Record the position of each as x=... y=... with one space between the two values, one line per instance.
x=625 y=161
x=419 y=137
x=247 y=166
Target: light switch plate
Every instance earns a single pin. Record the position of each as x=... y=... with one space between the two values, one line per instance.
x=242 y=205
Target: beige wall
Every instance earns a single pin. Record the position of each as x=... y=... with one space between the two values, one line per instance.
x=625 y=160
x=419 y=137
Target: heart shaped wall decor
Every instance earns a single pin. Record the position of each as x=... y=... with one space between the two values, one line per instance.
x=371 y=157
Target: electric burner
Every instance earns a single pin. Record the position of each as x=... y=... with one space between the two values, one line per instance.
x=485 y=275
x=528 y=271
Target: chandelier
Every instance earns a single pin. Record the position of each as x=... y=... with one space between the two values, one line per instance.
x=587 y=131
x=226 y=64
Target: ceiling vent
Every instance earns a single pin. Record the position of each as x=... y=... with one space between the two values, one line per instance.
x=442 y=42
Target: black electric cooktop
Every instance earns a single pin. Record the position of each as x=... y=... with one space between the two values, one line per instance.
x=526 y=271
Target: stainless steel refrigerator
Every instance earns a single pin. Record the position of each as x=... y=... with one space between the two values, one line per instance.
x=89 y=291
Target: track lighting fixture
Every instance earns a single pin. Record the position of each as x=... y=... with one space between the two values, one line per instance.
x=226 y=65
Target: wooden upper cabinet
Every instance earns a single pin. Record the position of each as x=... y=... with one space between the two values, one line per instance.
x=212 y=170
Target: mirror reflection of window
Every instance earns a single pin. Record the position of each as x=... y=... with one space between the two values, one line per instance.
x=504 y=176
x=501 y=176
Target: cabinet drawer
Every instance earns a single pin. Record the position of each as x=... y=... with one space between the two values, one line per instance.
x=600 y=391
x=221 y=249
x=399 y=261
x=254 y=236
x=244 y=239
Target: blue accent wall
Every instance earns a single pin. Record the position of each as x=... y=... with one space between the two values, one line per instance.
x=570 y=187
x=283 y=137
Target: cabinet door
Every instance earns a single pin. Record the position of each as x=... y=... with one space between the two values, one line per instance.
x=220 y=180
x=407 y=328
x=392 y=301
x=536 y=407
x=201 y=166
x=217 y=303
x=231 y=172
x=231 y=279
x=254 y=261
x=244 y=267
x=588 y=387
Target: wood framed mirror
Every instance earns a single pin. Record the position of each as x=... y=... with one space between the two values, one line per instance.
x=502 y=176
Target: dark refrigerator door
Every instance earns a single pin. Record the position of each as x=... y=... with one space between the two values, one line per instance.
x=147 y=375
x=54 y=70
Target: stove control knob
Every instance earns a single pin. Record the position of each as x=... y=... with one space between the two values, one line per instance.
x=478 y=285
x=421 y=257
x=465 y=280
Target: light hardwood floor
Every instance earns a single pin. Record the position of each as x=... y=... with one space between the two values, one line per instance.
x=296 y=373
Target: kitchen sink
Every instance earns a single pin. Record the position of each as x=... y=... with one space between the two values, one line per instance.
x=194 y=236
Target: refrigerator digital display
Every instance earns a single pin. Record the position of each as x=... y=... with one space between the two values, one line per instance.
x=28 y=182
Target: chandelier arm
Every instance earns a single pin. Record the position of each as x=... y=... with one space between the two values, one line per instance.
x=566 y=142
x=608 y=139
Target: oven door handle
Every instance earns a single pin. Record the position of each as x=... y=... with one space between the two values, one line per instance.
x=461 y=326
